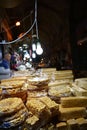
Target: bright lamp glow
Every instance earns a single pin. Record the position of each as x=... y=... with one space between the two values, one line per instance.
x=17 y=23
x=33 y=55
x=20 y=48
x=33 y=47
x=30 y=59
x=27 y=55
x=39 y=49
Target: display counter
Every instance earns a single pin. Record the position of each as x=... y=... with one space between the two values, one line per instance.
x=37 y=101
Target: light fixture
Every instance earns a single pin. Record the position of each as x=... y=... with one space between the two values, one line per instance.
x=33 y=55
x=25 y=46
x=33 y=46
x=30 y=59
x=20 y=48
x=18 y=23
x=39 y=49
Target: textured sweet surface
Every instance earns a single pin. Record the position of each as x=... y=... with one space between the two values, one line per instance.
x=32 y=120
x=12 y=84
x=10 y=105
x=70 y=113
x=38 y=81
x=74 y=102
x=35 y=106
x=61 y=90
x=61 y=126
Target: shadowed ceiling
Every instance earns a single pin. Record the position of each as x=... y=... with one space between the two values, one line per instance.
x=61 y=25
x=53 y=21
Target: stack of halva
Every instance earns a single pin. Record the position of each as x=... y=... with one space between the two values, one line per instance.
x=64 y=75
x=61 y=86
x=37 y=86
x=12 y=113
x=42 y=110
x=73 y=113
x=13 y=88
x=79 y=87
x=50 y=104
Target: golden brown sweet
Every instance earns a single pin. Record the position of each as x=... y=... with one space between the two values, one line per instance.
x=58 y=91
x=34 y=87
x=74 y=102
x=36 y=94
x=21 y=78
x=52 y=105
x=72 y=112
x=39 y=109
x=37 y=81
x=61 y=126
x=12 y=84
x=15 y=115
x=72 y=124
x=35 y=106
x=78 y=91
x=32 y=120
x=82 y=123
x=13 y=89
x=12 y=113
x=58 y=82
x=10 y=105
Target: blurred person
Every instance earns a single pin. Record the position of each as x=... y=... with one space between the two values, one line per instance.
x=16 y=61
x=5 y=71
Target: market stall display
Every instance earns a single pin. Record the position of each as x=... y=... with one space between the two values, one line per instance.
x=48 y=103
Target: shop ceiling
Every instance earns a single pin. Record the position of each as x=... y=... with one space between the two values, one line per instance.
x=53 y=20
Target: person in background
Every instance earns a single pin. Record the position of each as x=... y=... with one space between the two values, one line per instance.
x=5 y=71
x=13 y=62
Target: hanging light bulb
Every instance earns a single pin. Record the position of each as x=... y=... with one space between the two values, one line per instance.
x=33 y=47
x=30 y=59
x=39 y=49
x=20 y=48
x=18 y=23
x=33 y=55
